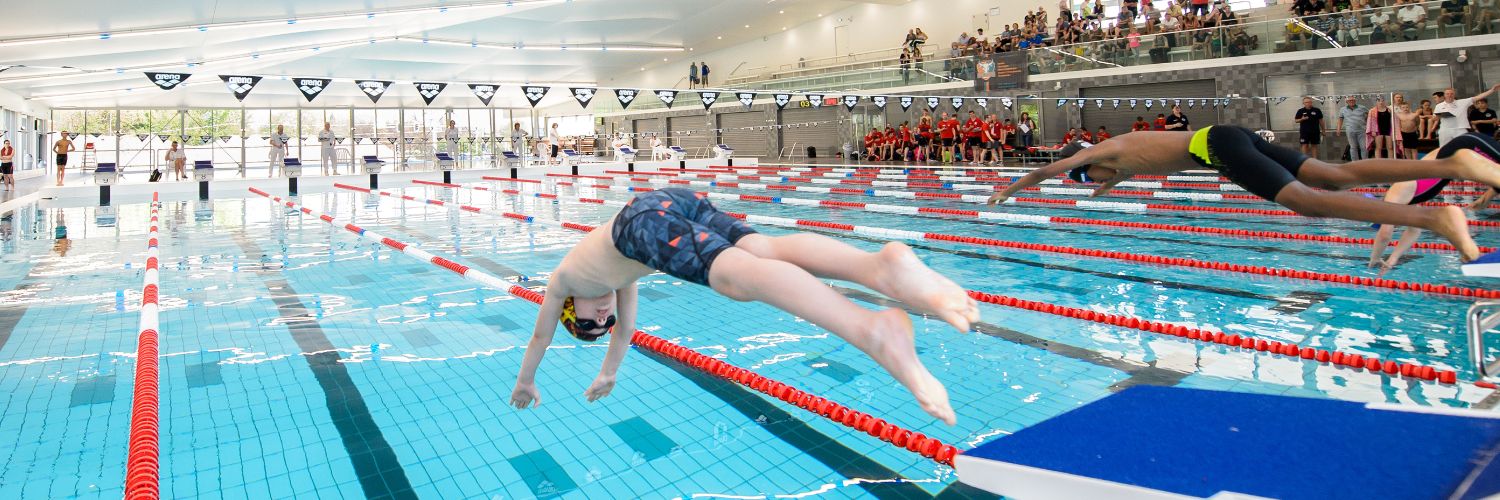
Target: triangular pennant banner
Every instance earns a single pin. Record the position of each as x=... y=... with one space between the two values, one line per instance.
x=1190 y=103
x=879 y=101
x=484 y=91
x=535 y=93
x=1115 y=103
x=373 y=88
x=667 y=97
x=850 y=101
x=163 y=137
x=815 y=99
x=429 y=90
x=1007 y=102
x=311 y=87
x=95 y=134
x=205 y=139
x=1062 y=102
x=625 y=96
x=359 y=140
x=1098 y=103
x=391 y=140
x=958 y=102
x=1078 y=103
x=708 y=98
x=906 y=102
x=142 y=137
x=782 y=100
x=167 y=81
x=72 y=135
x=746 y=98
x=932 y=103
x=1132 y=103
x=410 y=139
x=1148 y=104
x=224 y=139
x=240 y=85
x=339 y=140
x=982 y=102
x=265 y=138
x=583 y=95
x=183 y=137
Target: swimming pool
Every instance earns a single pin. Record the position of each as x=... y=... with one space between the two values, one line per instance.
x=300 y=360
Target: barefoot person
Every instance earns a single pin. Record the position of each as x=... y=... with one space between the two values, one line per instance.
x=680 y=233
x=1282 y=175
x=61 y=148
x=178 y=161
x=1422 y=191
x=7 y=165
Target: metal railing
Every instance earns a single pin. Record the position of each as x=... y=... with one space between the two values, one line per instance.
x=1483 y=316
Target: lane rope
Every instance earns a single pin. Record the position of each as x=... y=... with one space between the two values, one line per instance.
x=142 y=463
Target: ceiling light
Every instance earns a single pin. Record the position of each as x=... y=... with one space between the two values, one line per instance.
x=1328 y=72
x=721 y=38
x=747 y=26
x=782 y=12
x=1438 y=65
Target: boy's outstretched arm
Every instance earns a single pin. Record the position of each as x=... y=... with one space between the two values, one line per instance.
x=1042 y=174
x=525 y=394
x=1109 y=185
x=619 y=343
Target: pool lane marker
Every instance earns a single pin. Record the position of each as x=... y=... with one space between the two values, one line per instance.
x=142 y=464
x=1324 y=356
x=916 y=442
x=783 y=184
x=1044 y=219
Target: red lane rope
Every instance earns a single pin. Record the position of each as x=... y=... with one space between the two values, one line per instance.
x=916 y=442
x=142 y=462
x=1275 y=347
x=976 y=214
x=991 y=171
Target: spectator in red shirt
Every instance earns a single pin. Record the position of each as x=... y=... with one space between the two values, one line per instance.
x=890 y=143
x=974 y=133
x=906 y=141
x=948 y=132
x=924 y=138
x=1102 y=136
x=1072 y=135
x=1140 y=124
x=1084 y=135
x=997 y=137
x=872 y=144
x=1161 y=123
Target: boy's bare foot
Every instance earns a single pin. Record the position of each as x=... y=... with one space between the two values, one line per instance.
x=907 y=279
x=1450 y=222
x=889 y=343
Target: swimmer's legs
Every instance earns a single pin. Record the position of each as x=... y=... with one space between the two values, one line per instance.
x=1464 y=164
x=885 y=336
x=894 y=271
x=1446 y=221
x=1400 y=193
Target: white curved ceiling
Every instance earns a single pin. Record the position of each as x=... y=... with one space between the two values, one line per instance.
x=60 y=57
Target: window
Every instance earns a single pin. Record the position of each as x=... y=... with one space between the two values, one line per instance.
x=1415 y=82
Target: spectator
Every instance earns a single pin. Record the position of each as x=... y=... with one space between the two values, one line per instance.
x=7 y=165
x=1130 y=9
x=554 y=137
x=1348 y=29
x=693 y=75
x=1161 y=47
x=963 y=40
x=1102 y=135
x=1413 y=19
x=277 y=155
x=1064 y=10
x=1383 y=26
x=1380 y=128
x=1482 y=118
x=1071 y=136
x=1178 y=122
x=1133 y=45
x=1452 y=12
x=704 y=72
x=921 y=39
x=1408 y=122
x=177 y=161
x=1426 y=121
x=1353 y=121
x=1160 y=125
x=1453 y=114
x=1025 y=130
x=1199 y=7
x=1305 y=8
x=1140 y=124
x=1309 y=120
x=1084 y=135
x=905 y=61
x=1484 y=13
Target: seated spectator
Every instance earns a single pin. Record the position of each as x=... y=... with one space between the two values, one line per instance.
x=1071 y=136
x=1453 y=12
x=1347 y=29
x=1140 y=124
x=1484 y=13
x=1413 y=20
x=1102 y=135
x=1379 y=19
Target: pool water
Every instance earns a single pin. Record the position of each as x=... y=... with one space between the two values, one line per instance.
x=299 y=360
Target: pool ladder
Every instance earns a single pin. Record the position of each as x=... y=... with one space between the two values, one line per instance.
x=1483 y=316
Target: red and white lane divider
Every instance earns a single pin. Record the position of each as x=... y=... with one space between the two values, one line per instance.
x=981 y=172
x=1276 y=347
x=1455 y=291
x=142 y=463
x=969 y=198
x=931 y=448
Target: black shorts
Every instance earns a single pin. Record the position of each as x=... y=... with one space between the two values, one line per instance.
x=1249 y=161
x=973 y=142
x=7 y=168
x=922 y=141
x=676 y=231
x=1485 y=145
x=1311 y=139
x=62 y=159
x=1409 y=139
x=947 y=142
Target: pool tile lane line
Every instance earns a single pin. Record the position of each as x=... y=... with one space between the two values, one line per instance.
x=1374 y=365
x=915 y=442
x=142 y=463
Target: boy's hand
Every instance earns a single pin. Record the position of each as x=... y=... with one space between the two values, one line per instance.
x=525 y=396
x=998 y=197
x=600 y=388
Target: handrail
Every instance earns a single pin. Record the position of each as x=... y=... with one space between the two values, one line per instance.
x=1482 y=316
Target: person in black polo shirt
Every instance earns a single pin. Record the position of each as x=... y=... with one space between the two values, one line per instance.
x=1482 y=118
x=1178 y=122
x=1310 y=123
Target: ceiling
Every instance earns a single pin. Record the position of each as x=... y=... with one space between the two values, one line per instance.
x=64 y=60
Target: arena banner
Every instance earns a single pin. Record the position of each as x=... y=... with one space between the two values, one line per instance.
x=879 y=101
x=708 y=98
x=625 y=96
x=667 y=97
x=958 y=103
x=534 y=93
x=933 y=102
x=906 y=102
x=429 y=90
x=311 y=87
x=167 y=81
x=584 y=95
x=782 y=100
x=1002 y=71
x=240 y=85
x=373 y=88
x=850 y=101
x=746 y=98
x=484 y=91
x=816 y=100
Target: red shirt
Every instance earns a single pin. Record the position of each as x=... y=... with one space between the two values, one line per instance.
x=997 y=130
x=905 y=134
x=974 y=127
x=948 y=129
x=1068 y=137
x=1139 y=126
x=890 y=136
x=872 y=139
x=1085 y=137
x=1161 y=124
x=1102 y=136
x=925 y=129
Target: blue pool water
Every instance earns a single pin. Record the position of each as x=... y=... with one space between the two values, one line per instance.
x=299 y=360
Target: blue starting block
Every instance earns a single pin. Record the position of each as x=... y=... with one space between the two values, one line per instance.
x=292 y=169
x=1487 y=265
x=203 y=172
x=105 y=175
x=373 y=165
x=445 y=161
x=724 y=152
x=1163 y=442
